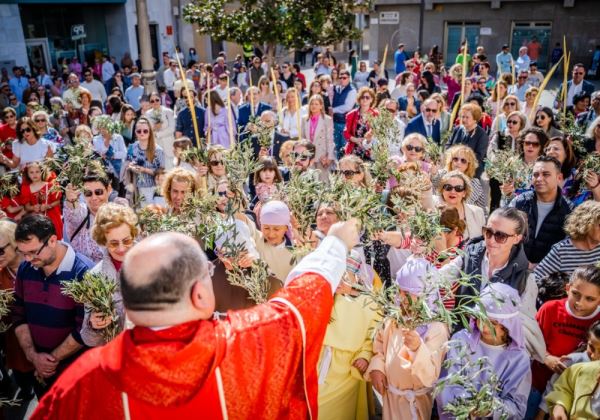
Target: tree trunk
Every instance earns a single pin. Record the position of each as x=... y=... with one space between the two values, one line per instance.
x=148 y=74
x=271 y=46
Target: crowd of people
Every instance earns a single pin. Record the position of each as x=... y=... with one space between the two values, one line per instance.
x=526 y=250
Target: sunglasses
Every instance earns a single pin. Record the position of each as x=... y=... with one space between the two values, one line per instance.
x=510 y=104
x=142 y=131
x=343 y=77
x=300 y=156
x=499 y=237
x=430 y=110
x=222 y=193
x=531 y=143
x=522 y=77
x=349 y=173
x=153 y=101
x=38 y=120
x=511 y=122
x=579 y=73
x=127 y=242
x=97 y=192
x=457 y=188
x=26 y=130
x=461 y=160
x=417 y=149
x=3 y=248
x=362 y=98
x=540 y=117
x=216 y=162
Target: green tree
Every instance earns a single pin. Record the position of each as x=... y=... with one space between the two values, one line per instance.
x=291 y=23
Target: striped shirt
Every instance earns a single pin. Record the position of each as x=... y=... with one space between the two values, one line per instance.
x=564 y=257
x=39 y=303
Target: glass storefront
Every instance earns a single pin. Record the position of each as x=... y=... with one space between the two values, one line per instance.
x=47 y=32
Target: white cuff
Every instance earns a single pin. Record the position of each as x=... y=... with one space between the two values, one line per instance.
x=328 y=260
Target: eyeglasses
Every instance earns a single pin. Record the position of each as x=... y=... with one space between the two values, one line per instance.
x=153 y=101
x=127 y=242
x=417 y=149
x=26 y=130
x=457 y=188
x=348 y=173
x=142 y=131
x=459 y=159
x=540 y=117
x=32 y=254
x=522 y=77
x=362 y=98
x=512 y=122
x=531 y=143
x=430 y=110
x=499 y=237
x=97 y=192
x=216 y=162
x=3 y=248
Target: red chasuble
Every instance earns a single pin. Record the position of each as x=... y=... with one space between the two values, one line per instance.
x=259 y=363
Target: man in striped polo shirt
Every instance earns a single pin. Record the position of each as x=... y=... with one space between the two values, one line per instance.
x=47 y=323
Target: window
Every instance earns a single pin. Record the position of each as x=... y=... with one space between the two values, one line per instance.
x=536 y=37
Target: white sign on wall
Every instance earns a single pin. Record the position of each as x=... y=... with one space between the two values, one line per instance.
x=389 y=18
x=485 y=30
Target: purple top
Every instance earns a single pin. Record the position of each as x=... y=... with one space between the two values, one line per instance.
x=219 y=127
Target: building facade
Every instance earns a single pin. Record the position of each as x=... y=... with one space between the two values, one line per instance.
x=36 y=33
x=539 y=24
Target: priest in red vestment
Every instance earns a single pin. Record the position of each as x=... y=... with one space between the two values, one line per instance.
x=258 y=363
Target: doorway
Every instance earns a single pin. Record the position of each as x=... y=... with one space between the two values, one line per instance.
x=536 y=37
x=456 y=33
x=38 y=53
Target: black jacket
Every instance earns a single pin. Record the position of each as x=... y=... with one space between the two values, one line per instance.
x=514 y=274
x=551 y=230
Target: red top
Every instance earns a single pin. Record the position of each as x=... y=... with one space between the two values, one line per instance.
x=352 y=119
x=7 y=135
x=563 y=334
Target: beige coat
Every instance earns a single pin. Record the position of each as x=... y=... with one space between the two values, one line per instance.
x=475 y=220
x=323 y=141
x=409 y=375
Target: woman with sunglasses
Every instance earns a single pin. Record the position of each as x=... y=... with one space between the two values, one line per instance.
x=499 y=256
x=29 y=147
x=266 y=95
x=471 y=134
x=47 y=132
x=544 y=119
x=354 y=171
x=145 y=157
x=461 y=158
x=454 y=190
x=114 y=229
x=530 y=94
x=217 y=171
x=8 y=132
x=163 y=127
x=413 y=151
x=510 y=104
x=357 y=132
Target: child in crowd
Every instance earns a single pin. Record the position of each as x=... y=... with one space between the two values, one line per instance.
x=12 y=204
x=503 y=344
x=40 y=195
x=564 y=324
x=158 y=198
x=552 y=287
x=591 y=353
x=179 y=146
x=267 y=181
x=407 y=363
x=347 y=350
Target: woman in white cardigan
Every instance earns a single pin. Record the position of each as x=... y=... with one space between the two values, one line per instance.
x=454 y=190
x=163 y=124
x=318 y=129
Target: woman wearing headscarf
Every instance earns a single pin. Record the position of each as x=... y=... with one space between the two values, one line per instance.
x=502 y=342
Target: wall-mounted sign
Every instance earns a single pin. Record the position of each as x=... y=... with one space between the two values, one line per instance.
x=389 y=18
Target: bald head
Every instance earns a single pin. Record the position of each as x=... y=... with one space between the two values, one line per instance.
x=157 y=273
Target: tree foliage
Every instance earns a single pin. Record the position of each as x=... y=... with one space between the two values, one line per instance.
x=291 y=23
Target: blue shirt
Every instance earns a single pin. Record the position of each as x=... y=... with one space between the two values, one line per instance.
x=399 y=59
x=18 y=86
x=185 y=124
x=133 y=95
x=504 y=62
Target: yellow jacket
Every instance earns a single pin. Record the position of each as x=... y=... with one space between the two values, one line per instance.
x=574 y=389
